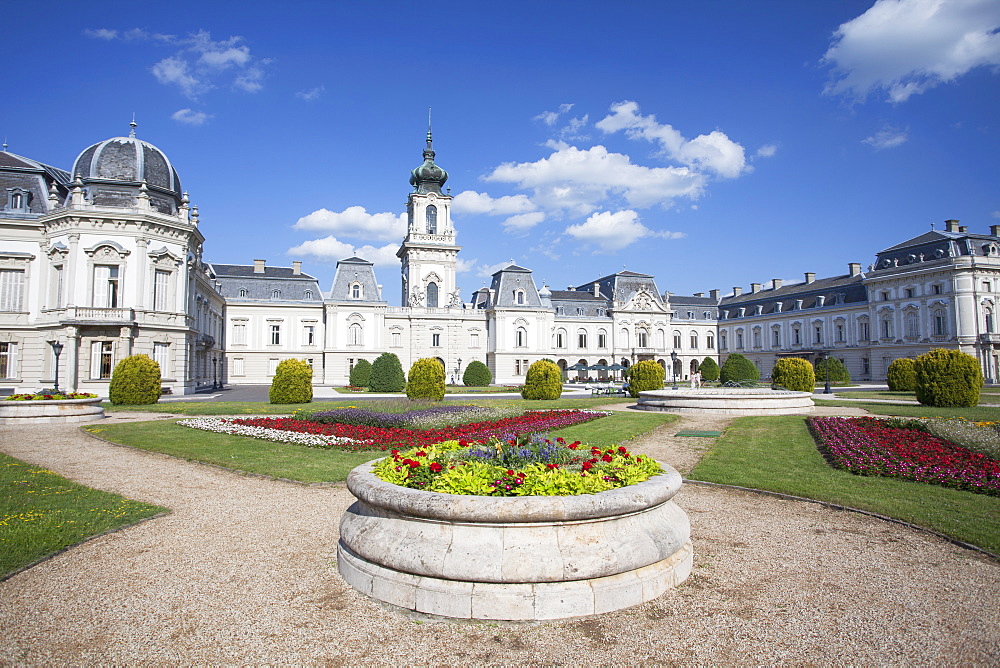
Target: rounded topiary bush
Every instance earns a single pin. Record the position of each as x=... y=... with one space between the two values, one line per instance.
x=477 y=374
x=709 y=369
x=901 y=375
x=544 y=381
x=135 y=380
x=838 y=372
x=360 y=374
x=738 y=368
x=948 y=378
x=426 y=380
x=794 y=373
x=387 y=374
x=645 y=375
x=292 y=383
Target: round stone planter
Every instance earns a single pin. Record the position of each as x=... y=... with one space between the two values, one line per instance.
x=513 y=558
x=55 y=410
x=727 y=401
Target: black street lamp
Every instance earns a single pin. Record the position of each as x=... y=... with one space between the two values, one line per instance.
x=826 y=358
x=458 y=372
x=673 y=367
x=57 y=348
x=215 y=373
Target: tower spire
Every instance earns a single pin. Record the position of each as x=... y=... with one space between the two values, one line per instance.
x=430 y=139
x=132 y=125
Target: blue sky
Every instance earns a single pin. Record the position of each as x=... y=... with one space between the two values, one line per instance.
x=711 y=144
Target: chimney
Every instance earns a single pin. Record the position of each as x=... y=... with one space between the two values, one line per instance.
x=995 y=230
x=963 y=228
x=714 y=295
x=258 y=266
x=854 y=268
x=754 y=288
x=737 y=291
x=810 y=276
x=296 y=267
x=597 y=290
x=775 y=283
x=570 y=288
x=699 y=294
x=951 y=226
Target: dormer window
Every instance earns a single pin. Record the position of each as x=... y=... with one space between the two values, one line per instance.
x=308 y=294
x=690 y=315
x=579 y=310
x=276 y=294
x=18 y=199
x=356 y=291
x=243 y=292
x=519 y=297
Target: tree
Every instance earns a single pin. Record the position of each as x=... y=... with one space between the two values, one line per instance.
x=135 y=381
x=901 y=375
x=645 y=375
x=794 y=373
x=838 y=372
x=709 y=369
x=543 y=381
x=387 y=374
x=948 y=378
x=292 y=383
x=738 y=368
x=360 y=373
x=477 y=374
x=426 y=380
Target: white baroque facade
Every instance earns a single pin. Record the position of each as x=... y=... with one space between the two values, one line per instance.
x=107 y=260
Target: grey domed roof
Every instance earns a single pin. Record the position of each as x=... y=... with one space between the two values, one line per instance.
x=130 y=160
x=428 y=177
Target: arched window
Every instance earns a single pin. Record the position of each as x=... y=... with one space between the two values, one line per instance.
x=357 y=335
x=661 y=339
x=432 y=219
x=432 y=295
x=940 y=324
x=276 y=294
x=624 y=338
x=710 y=342
x=561 y=338
x=521 y=338
x=519 y=297
x=641 y=338
x=243 y=292
x=694 y=340
x=989 y=320
x=677 y=339
x=602 y=339
x=308 y=294
x=912 y=328
x=581 y=338
x=356 y=291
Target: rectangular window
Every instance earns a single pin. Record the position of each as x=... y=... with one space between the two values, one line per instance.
x=863 y=331
x=474 y=341
x=710 y=342
x=238 y=368
x=559 y=340
x=909 y=293
x=840 y=333
x=581 y=340
x=102 y=359
x=775 y=338
x=239 y=333
x=275 y=335
x=936 y=289
x=818 y=334
x=939 y=326
x=520 y=367
x=887 y=329
x=435 y=340
x=272 y=366
x=11 y=289
x=396 y=340
x=310 y=335
x=694 y=341
x=57 y=280
x=106 y=286
x=8 y=359
x=161 y=280
x=865 y=366
x=160 y=351
x=797 y=336
x=986 y=286
x=602 y=340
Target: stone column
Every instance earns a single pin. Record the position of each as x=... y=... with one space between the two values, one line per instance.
x=71 y=352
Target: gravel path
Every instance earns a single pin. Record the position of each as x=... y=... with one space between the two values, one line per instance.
x=243 y=572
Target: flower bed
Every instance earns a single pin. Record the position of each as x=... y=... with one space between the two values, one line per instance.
x=358 y=437
x=869 y=446
x=49 y=409
x=51 y=397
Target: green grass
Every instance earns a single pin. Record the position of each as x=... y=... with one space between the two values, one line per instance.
x=986 y=397
x=778 y=454
x=614 y=429
x=977 y=413
x=449 y=389
x=42 y=512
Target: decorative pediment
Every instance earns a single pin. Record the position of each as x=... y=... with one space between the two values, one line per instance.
x=106 y=250
x=164 y=258
x=644 y=301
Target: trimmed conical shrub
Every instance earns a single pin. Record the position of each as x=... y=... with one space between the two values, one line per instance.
x=901 y=375
x=645 y=375
x=135 y=381
x=709 y=369
x=948 y=378
x=794 y=373
x=292 y=383
x=738 y=368
x=360 y=374
x=477 y=374
x=426 y=380
x=387 y=374
x=543 y=381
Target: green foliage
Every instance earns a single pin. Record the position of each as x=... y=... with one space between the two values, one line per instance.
x=737 y=368
x=645 y=375
x=360 y=373
x=387 y=374
x=709 y=369
x=292 y=383
x=948 y=378
x=136 y=381
x=902 y=375
x=477 y=374
x=794 y=373
x=426 y=380
x=838 y=372
x=543 y=381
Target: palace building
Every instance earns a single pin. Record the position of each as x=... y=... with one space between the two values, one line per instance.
x=105 y=260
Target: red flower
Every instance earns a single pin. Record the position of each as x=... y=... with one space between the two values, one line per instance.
x=435 y=467
x=510 y=472
x=586 y=466
x=420 y=453
x=623 y=451
x=606 y=458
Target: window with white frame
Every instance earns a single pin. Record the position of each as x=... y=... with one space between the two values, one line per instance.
x=474 y=340
x=356 y=335
x=840 y=332
x=58 y=285
x=435 y=340
x=642 y=338
x=739 y=339
x=561 y=338
x=161 y=281
x=102 y=359
x=521 y=338
x=935 y=289
x=238 y=367
x=756 y=337
x=912 y=325
x=275 y=330
x=677 y=339
x=940 y=324
x=988 y=314
x=11 y=289
x=710 y=342
x=775 y=338
x=432 y=219
x=817 y=334
x=275 y=294
x=396 y=340
x=694 y=340
x=239 y=333
x=243 y=292
x=519 y=297
x=106 y=285
x=160 y=353
x=8 y=359
x=796 y=336
x=581 y=339
x=432 y=295
x=887 y=328
x=356 y=291
x=863 y=331
x=309 y=335
x=272 y=366
x=722 y=341
x=308 y=294
x=624 y=338
x=602 y=339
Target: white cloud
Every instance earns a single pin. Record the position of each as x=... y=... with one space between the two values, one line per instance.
x=223 y=57
x=905 y=47
x=886 y=138
x=995 y=214
x=573 y=128
x=766 y=151
x=101 y=33
x=550 y=117
x=190 y=117
x=487 y=270
x=355 y=221
x=523 y=222
x=471 y=202
x=611 y=231
x=174 y=71
x=331 y=249
x=578 y=180
x=713 y=152
x=465 y=266
x=311 y=94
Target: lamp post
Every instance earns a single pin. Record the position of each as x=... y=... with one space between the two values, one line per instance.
x=57 y=349
x=673 y=367
x=215 y=373
x=458 y=372
x=826 y=359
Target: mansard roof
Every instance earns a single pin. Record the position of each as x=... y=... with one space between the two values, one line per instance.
x=685 y=300
x=835 y=290
x=355 y=271
x=8 y=159
x=935 y=245
x=247 y=271
x=576 y=295
x=233 y=278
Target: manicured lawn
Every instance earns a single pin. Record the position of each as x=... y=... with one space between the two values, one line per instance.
x=977 y=413
x=778 y=454
x=449 y=389
x=985 y=396
x=42 y=512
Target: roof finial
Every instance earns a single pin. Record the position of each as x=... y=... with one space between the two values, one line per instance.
x=429 y=138
x=133 y=125
x=932 y=224
x=5 y=143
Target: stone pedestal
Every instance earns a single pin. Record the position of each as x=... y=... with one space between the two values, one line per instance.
x=56 y=410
